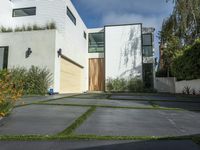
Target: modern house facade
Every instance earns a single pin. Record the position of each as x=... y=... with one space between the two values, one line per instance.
x=80 y=59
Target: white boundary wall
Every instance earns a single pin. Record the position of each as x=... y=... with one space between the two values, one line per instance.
x=193 y=84
x=170 y=85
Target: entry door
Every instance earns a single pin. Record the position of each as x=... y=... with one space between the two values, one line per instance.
x=96 y=74
x=148 y=75
x=3 y=58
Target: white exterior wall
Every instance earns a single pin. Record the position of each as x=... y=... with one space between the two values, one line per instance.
x=71 y=37
x=42 y=44
x=5 y=13
x=193 y=84
x=123 y=51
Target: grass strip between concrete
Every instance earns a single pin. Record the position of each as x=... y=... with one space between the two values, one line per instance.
x=194 y=138
x=184 y=101
x=77 y=122
x=108 y=106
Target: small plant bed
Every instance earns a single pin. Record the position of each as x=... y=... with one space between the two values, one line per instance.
x=34 y=27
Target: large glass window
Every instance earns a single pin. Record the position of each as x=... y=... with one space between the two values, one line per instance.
x=96 y=42
x=147 y=51
x=71 y=16
x=24 y=12
x=147 y=41
x=3 y=57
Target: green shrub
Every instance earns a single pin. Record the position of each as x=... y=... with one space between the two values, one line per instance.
x=29 y=28
x=122 y=85
x=3 y=29
x=36 y=81
x=187 y=62
x=50 y=26
x=18 y=29
x=135 y=85
x=10 y=91
x=36 y=27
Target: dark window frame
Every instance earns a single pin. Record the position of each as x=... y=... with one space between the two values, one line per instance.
x=24 y=8
x=5 y=56
x=71 y=16
x=85 y=35
x=151 y=45
x=89 y=43
x=151 y=39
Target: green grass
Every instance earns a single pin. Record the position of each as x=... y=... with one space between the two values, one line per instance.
x=196 y=139
x=189 y=101
x=78 y=122
x=108 y=106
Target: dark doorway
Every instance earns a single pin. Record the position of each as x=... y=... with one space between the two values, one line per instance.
x=148 y=75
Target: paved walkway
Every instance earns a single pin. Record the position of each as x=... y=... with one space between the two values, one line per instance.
x=119 y=115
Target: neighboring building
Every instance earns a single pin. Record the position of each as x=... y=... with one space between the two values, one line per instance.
x=80 y=59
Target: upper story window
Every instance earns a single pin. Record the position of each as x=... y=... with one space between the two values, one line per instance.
x=20 y=12
x=147 y=40
x=96 y=42
x=71 y=16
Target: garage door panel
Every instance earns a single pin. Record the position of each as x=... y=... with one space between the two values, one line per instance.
x=71 y=77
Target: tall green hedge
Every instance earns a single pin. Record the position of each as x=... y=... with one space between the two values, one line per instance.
x=186 y=65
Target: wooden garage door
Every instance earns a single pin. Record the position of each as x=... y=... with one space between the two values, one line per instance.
x=71 y=77
x=96 y=74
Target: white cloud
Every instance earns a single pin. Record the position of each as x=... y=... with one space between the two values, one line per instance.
x=114 y=18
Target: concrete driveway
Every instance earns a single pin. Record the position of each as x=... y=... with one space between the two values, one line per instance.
x=116 y=115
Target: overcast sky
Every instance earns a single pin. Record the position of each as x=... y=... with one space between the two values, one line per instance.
x=97 y=13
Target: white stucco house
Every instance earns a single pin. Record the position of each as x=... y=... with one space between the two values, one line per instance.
x=79 y=58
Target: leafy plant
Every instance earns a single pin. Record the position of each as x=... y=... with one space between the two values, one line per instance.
x=135 y=85
x=3 y=29
x=38 y=80
x=193 y=92
x=36 y=27
x=118 y=84
x=35 y=80
x=186 y=90
x=18 y=29
x=51 y=25
x=10 y=91
x=121 y=85
x=29 y=28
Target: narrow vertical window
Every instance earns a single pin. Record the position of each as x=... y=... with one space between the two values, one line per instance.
x=85 y=35
x=71 y=16
x=3 y=58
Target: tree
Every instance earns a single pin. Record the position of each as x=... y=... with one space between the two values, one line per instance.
x=180 y=29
